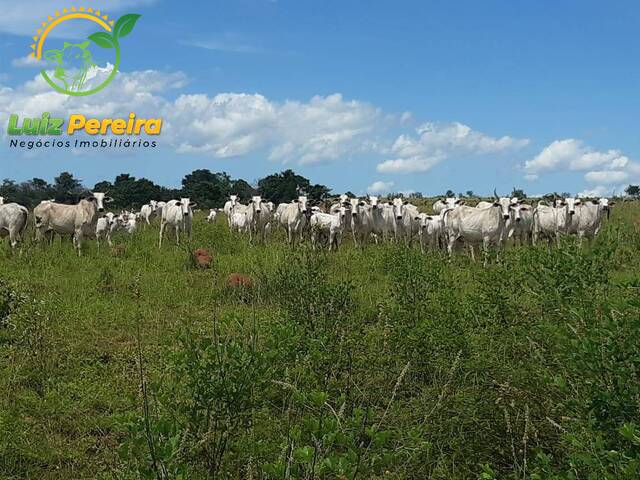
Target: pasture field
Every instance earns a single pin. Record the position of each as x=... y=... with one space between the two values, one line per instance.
x=373 y=363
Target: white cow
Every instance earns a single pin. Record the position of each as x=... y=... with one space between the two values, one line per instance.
x=78 y=220
x=405 y=225
x=587 y=220
x=294 y=219
x=211 y=218
x=239 y=222
x=549 y=221
x=521 y=222
x=1 y=200
x=329 y=225
x=473 y=225
x=13 y=222
x=281 y=208
x=105 y=227
x=444 y=203
x=232 y=205
x=361 y=221
x=149 y=211
x=178 y=214
x=430 y=231
x=129 y=223
x=258 y=217
x=383 y=222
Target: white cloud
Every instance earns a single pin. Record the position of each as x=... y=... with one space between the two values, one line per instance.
x=600 y=191
x=531 y=177
x=380 y=187
x=571 y=154
x=233 y=124
x=437 y=142
x=606 y=176
x=27 y=61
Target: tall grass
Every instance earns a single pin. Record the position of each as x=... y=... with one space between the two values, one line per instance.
x=374 y=363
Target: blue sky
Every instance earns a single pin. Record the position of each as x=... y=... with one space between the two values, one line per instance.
x=360 y=95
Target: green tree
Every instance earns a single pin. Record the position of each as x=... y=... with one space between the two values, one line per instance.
x=287 y=185
x=206 y=188
x=67 y=188
x=633 y=190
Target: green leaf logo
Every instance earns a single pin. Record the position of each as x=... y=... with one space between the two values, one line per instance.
x=125 y=24
x=103 y=39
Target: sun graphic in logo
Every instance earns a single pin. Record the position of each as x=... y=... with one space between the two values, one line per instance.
x=73 y=68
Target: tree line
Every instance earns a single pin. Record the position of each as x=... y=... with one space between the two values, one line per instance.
x=208 y=189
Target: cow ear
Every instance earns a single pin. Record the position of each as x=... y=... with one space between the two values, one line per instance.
x=193 y=204
x=406 y=202
x=595 y=202
x=611 y=204
x=295 y=200
x=462 y=202
x=416 y=218
x=108 y=199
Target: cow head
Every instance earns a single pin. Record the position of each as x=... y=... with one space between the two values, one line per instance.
x=357 y=206
x=185 y=205
x=154 y=205
x=233 y=199
x=302 y=203
x=98 y=199
x=256 y=203
x=373 y=201
x=398 y=207
x=571 y=204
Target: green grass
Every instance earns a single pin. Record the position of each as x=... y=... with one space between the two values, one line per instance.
x=374 y=363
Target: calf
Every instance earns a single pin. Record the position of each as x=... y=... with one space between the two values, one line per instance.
x=329 y=225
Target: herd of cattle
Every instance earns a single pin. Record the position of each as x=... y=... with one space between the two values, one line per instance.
x=452 y=225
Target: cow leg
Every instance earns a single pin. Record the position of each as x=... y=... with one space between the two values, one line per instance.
x=162 y=225
x=177 y=229
x=78 y=241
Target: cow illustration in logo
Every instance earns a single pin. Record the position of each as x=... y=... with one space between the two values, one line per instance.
x=74 y=68
x=72 y=62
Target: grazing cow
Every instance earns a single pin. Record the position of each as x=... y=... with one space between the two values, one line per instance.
x=13 y=222
x=361 y=221
x=105 y=227
x=149 y=211
x=294 y=219
x=587 y=220
x=179 y=215
x=76 y=220
x=444 y=203
x=430 y=231
x=383 y=222
x=258 y=217
x=405 y=225
x=239 y=222
x=329 y=225
x=474 y=225
x=211 y=218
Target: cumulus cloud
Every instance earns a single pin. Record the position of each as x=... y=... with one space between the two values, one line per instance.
x=233 y=124
x=380 y=187
x=571 y=154
x=606 y=176
x=436 y=142
x=607 y=169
